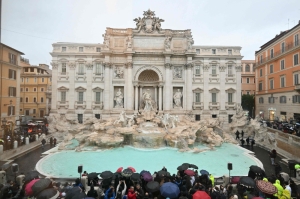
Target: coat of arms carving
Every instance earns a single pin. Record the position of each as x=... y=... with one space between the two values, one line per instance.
x=149 y=22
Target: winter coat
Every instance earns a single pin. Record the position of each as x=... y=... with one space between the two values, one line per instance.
x=285 y=195
x=112 y=196
x=279 y=188
x=131 y=194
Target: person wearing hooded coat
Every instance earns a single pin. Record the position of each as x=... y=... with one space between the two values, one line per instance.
x=110 y=193
x=279 y=188
x=92 y=192
x=131 y=194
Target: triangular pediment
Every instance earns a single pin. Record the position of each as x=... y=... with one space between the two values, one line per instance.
x=230 y=90
x=80 y=89
x=97 y=89
x=214 y=90
x=197 y=90
x=62 y=88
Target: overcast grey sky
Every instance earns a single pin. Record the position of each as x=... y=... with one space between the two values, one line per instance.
x=31 y=26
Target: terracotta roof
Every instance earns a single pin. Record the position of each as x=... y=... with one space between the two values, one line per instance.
x=12 y=48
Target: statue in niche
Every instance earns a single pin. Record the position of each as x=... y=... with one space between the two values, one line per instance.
x=147 y=101
x=190 y=42
x=148 y=105
x=106 y=40
x=177 y=73
x=168 y=42
x=129 y=42
x=177 y=99
x=119 y=99
x=119 y=73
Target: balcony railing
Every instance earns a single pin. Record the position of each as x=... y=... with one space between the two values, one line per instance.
x=230 y=75
x=297 y=87
x=197 y=105
x=214 y=105
x=230 y=105
x=80 y=104
x=97 y=104
x=64 y=104
x=287 y=48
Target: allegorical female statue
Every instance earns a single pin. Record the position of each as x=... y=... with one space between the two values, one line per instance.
x=177 y=98
x=119 y=99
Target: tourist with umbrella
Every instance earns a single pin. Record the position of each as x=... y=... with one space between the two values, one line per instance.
x=110 y=193
x=169 y=190
x=121 y=192
x=92 y=192
x=139 y=191
x=131 y=194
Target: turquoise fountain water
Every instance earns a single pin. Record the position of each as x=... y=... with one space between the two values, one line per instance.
x=64 y=164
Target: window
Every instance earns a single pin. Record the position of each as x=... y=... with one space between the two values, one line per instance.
x=33 y=111
x=272 y=53
x=63 y=49
x=31 y=69
x=214 y=97
x=296 y=78
x=271 y=100
x=197 y=117
x=21 y=99
x=26 y=99
x=248 y=80
x=296 y=59
x=197 y=97
x=26 y=112
x=229 y=70
x=214 y=116
x=198 y=51
x=21 y=89
x=43 y=79
x=282 y=82
x=214 y=69
x=261 y=59
x=42 y=89
x=296 y=40
x=282 y=64
x=261 y=72
x=63 y=96
x=12 y=58
x=27 y=80
x=34 y=99
x=260 y=86
x=80 y=96
x=282 y=99
x=26 y=69
x=261 y=100
x=229 y=52
x=80 y=49
x=214 y=51
x=26 y=89
x=248 y=92
x=98 y=49
x=296 y=99
x=271 y=84
x=22 y=79
x=42 y=99
x=197 y=70
x=97 y=98
x=98 y=69
x=81 y=69
x=271 y=68
x=282 y=47
x=12 y=74
x=80 y=118
x=64 y=67
x=229 y=97
x=34 y=89
x=247 y=69
x=35 y=79
x=97 y=116
x=11 y=111
x=12 y=92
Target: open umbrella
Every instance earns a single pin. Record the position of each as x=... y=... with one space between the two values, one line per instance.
x=180 y=168
x=135 y=177
x=256 y=169
x=106 y=174
x=28 y=187
x=147 y=176
x=132 y=169
x=201 y=195
x=247 y=181
x=48 y=194
x=266 y=187
x=189 y=172
x=204 y=172
x=40 y=185
x=185 y=166
x=93 y=175
x=163 y=173
x=31 y=175
x=127 y=172
x=144 y=171
x=169 y=190
x=119 y=170
x=5 y=166
x=193 y=166
x=152 y=186
x=73 y=192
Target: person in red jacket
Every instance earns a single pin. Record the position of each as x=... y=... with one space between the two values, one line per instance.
x=131 y=194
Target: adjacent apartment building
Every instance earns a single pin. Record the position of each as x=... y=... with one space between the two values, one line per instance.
x=9 y=84
x=35 y=91
x=277 y=76
x=248 y=77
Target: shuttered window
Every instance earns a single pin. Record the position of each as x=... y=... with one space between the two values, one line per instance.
x=11 y=111
x=12 y=92
x=12 y=74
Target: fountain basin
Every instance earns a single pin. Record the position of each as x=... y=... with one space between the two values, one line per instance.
x=64 y=164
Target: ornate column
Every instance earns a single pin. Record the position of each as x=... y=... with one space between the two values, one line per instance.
x=141 y=93
x=129 y=94
x=155 y=94
x=189 y=93
x=168 y=94
x=136 y=100
x=160 y=98
x=72 y=95
x=54 y=87
x=107 y=80
x=89 y=75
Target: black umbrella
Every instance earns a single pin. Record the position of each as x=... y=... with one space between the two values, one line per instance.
x=79 y=196
x=135 y=177
x=92 y=175
x=73 y=192
x=31 y=175
x=247 y=181
x=163 y=173
x=40 y=185
x=48 y=194
x=180 y=168
x=184 y=166
x=152 y=186
x=193 y=166
x=106 y=174
x=256 y=169
x=127 y=172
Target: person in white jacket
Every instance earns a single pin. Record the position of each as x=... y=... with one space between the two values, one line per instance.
x=120 y=193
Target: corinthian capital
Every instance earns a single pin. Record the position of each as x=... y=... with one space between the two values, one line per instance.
x=190 y=65
x=89 y=66
x=54 y=65
x=72 y=65
x=168 y=65
x=128 y=65
x=107 y=64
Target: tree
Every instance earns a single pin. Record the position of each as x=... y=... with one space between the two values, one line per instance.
x=248 y=103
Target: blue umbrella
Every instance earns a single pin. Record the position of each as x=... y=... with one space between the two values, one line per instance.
x=204 y=172
x=169 y=190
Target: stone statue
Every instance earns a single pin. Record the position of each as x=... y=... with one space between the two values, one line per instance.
x=177 y=73
x=168 y=42
x=130 y=119
x=129 y=42
x=190 y=42
x=119 y=99
x=106 y=40
x=147 y=101
x=140 y=23
x=148 y=106
x=169 y=120
x=239 y=109
x=156 y=23
x=121 y=118
x=119 y=73
x=177 y=98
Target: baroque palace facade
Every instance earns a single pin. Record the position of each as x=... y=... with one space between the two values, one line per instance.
x=101 y=80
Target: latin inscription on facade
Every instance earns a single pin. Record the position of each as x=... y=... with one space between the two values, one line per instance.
x=153 y=43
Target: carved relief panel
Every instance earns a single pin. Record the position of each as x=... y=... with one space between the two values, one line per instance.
x=177 y=72
x=119 y=72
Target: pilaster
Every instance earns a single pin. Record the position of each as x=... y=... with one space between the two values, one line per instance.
x=107 y=80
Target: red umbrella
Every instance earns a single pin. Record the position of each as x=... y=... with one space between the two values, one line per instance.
x=266 y=187
x=119 y=170
x=189 y=172
x=132 y=169
x=28 y=190
x=201 y=195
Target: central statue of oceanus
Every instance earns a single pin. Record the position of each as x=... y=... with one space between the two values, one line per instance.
x=148 y=106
